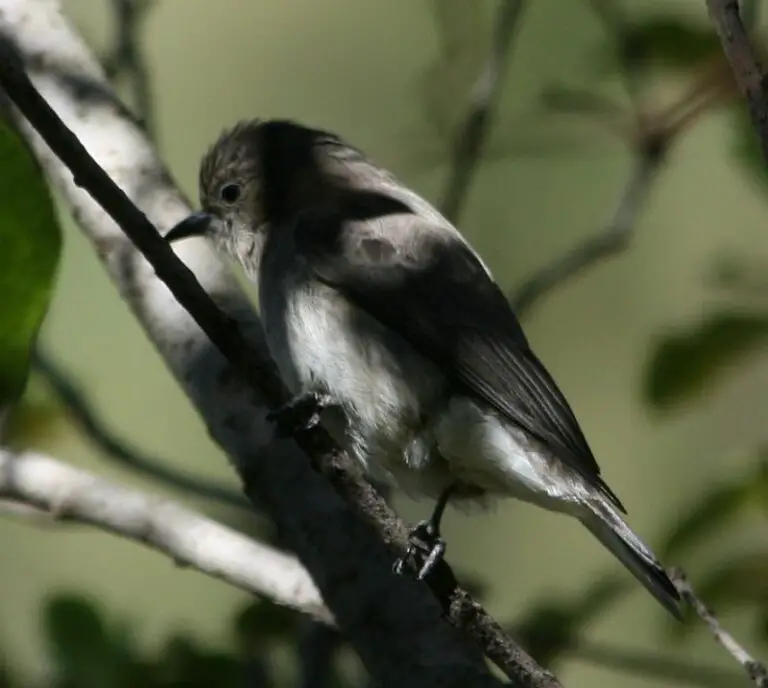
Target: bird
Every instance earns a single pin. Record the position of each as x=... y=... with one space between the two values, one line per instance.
x=388 y=327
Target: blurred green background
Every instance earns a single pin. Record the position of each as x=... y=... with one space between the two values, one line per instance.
x=393 y=77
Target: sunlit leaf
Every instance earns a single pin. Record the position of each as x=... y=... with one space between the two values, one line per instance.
x=30 y=243
x=683 y=364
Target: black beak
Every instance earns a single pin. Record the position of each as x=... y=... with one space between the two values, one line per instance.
x=195 y=225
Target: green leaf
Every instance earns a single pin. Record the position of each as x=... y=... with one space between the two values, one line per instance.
x=660 y=43
x=30 y=244
x=684 y=364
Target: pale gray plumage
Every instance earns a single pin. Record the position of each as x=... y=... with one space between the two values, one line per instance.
x=369 y=295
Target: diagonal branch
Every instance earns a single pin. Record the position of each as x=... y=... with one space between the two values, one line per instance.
x=613 y=239
x=120 y=450
x=755 y=669
x=750 y=76
x=70 y=494
x=393 y=623
x=485 y=93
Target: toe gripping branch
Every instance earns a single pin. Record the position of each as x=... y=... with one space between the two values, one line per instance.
x=300 y=414
x=427 y=547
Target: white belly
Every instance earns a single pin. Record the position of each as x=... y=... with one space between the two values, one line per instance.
x=482 y=449
x=320 y=342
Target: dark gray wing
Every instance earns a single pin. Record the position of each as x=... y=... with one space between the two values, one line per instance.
x=431 y=288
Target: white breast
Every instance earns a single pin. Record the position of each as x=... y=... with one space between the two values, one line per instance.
x=321 y=342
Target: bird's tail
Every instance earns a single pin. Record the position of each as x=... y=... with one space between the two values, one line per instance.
x=609 y=527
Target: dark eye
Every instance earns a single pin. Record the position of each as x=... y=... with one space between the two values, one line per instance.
x=229 y=193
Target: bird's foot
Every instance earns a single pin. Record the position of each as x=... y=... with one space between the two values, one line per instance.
x=426 y=549
x=300 y=414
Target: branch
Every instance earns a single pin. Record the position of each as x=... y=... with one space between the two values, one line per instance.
x=393 y=623
x=69 y=494
x=749 y=75
x=88 y=421
x=485 y=93
x=613 y=239
x=755 y=669
x=654 y=666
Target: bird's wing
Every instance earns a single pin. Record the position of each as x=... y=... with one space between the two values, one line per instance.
x=427 y=285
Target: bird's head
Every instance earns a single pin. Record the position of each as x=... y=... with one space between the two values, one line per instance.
x=231 y=194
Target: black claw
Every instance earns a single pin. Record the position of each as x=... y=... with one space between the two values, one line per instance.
x=300 y=414
x=426 y=550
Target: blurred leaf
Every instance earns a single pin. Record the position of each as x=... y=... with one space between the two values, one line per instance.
x=77 y=640
x=743 y=275
x=186 y=665
x=262 y=620
x=551 y=627
x=740 y=580
x=30 y=243
x=683 y=364
x=716 y=509
x=5 y=677
x=745 y=147
x=660 y=43
x=31 y=421
x=759 y=484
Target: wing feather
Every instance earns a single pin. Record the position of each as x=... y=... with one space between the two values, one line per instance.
x=432 y=289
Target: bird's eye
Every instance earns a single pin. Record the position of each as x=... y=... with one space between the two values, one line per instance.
x=229 y=193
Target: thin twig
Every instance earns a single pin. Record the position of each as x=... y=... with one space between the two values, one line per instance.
x=67 y=493
x=755 y=669
x=483 y=98
x=653 y=666
x=343 y=473
x=127 y=58
x=611 y=240
x=87 y=419
x=749 y=75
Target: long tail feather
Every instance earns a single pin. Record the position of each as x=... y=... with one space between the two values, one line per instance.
x=607 y=525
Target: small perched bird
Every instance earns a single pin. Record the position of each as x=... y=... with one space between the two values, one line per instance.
x=379 y=313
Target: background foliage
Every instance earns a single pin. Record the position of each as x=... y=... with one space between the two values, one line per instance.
x=662 y=351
